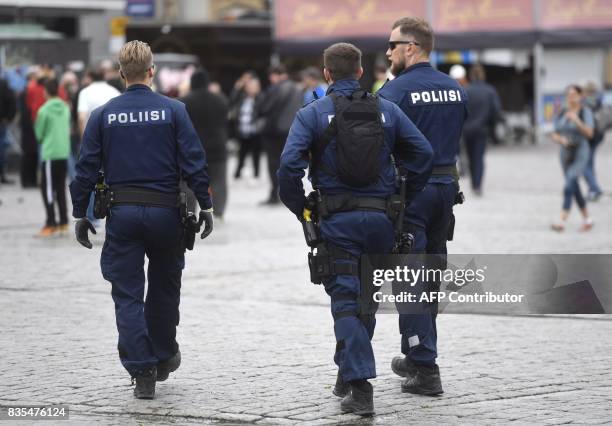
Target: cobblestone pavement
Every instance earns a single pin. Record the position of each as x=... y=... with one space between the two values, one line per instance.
x=257 y=338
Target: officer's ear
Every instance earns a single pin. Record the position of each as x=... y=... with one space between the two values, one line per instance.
x=121 y=74
x=327 y=75
x=359 y=73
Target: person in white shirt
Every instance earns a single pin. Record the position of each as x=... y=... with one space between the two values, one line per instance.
x=96 y=94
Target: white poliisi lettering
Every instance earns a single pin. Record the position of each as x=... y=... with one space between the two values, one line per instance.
x=436 y=96
x=134 y=117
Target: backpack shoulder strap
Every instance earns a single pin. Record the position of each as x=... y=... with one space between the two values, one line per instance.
x=318 y=148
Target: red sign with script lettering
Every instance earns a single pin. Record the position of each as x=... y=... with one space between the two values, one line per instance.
x=482 y=15
x=558 y=14
x=298 y=19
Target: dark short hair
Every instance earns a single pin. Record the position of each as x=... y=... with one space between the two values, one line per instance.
x=477 y=73
x=277 y=69
x=577 y=88
x=96 y=73
x=52 y=86
x=311 y=72
x=419 y=29
x=342 y=60
x=199 y=79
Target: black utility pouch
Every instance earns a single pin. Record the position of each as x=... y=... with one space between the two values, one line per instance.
x=319 y=265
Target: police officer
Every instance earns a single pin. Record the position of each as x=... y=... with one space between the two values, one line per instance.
x=437 y=106
x=143 y=141
x=347 y=233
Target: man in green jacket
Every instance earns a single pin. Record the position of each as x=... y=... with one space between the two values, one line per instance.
x=52 y=128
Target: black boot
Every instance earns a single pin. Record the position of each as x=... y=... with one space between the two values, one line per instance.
x=360 y=399
x=341 y=388
x=403 y=367
x=426 y=381
x=145 y=384
x=165 y=368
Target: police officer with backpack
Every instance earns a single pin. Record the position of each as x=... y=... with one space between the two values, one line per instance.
x=144 y=142
x=349 y=139
x=437 y=105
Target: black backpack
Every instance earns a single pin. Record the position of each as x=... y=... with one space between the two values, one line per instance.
x=357 y=128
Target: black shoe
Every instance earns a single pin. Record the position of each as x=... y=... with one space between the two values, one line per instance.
x=165 y=368
x=341 y=388
x=403 y=367
x=426 y=381
x=145 y=384
x=360 y=400
x=6 y=181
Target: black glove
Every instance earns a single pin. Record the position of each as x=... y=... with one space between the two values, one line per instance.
x=80 y=229
x=207 y=217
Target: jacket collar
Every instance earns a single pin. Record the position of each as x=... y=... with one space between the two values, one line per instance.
x=415 y=66
x=138 y=87
x=344 y=87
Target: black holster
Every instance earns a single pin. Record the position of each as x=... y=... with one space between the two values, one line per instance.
x=102 y=199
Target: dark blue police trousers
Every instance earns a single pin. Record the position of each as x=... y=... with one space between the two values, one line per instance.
x=357 y=232
x=428 y=218
x=147 y=327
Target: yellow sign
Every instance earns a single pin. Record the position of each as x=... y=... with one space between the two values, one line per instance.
x=118 y=25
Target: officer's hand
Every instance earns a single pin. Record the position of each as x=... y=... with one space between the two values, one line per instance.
x=207 y=216
x=80 y=229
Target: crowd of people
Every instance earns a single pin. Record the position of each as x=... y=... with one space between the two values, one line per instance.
x=258 y=121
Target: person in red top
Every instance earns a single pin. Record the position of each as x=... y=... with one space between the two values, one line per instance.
x=35 y=91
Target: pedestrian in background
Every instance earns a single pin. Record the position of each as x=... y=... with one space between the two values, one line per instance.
x=8 y=109
x=248 y=132
x=29 y=145
x=484 y=109
x=592 y=100
x=573 y=129
x=380 y=74
x=70 y=83
x=208 y=112
x=52 y=127
x=314 y=88
x=278 y=108
x=96 y=94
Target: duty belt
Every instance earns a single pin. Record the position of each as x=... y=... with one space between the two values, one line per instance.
x=143 y=197
x=446 y=171
x=330 y=204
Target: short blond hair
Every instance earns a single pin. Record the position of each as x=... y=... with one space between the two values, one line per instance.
x=135 y=58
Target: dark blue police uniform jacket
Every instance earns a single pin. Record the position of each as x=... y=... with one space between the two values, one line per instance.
x=436 y=104
x=355 y=231
x=141 y=139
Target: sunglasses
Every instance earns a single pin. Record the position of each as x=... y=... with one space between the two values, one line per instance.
x=393 y=44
